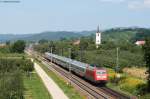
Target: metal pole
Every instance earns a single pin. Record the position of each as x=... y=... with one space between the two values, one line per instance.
x=117 y=67
x=81 y=50
x=51 y=53
x=70 y=66
x=117 y=61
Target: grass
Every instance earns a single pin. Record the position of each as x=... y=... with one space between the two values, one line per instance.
x=147 y=96
x=34 y=88
x=12 y=55
x=113 y=85
x=67 y=89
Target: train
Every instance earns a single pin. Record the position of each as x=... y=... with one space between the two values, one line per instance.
x=90 y=72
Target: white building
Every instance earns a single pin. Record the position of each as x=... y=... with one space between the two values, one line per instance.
x=98 y=38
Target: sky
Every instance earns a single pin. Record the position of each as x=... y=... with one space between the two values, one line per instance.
x=35 y=16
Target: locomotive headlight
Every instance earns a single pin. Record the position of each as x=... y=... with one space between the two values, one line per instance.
x=101 y=77
x=104 y=76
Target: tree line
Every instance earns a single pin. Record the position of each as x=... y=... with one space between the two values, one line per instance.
x=86 y=51
x=15 y=47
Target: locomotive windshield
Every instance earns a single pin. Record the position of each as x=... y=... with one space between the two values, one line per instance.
x=101 y=72
x=93 y=65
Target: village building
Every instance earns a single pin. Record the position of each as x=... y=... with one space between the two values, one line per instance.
x=139 y=43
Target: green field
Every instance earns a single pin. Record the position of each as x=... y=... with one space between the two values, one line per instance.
x=34 y=88
x=67 y=89
x=12 y=55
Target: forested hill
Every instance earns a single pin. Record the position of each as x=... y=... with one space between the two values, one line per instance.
x=127 y=34
x=114 y=34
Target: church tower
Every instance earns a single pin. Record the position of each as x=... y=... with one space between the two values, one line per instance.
x=98 y=38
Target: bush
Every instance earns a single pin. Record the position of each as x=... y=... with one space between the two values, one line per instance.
x=141 y=89
x=18 y=46
x=130 y=84
x=11 y=85
x=111 y=75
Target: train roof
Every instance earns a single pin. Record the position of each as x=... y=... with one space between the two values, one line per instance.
x=68 y=60
x=74 y=62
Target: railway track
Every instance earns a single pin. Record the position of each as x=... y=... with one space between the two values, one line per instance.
x=114 y=93
x=94 y=92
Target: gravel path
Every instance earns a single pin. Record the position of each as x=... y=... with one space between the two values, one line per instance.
x=51 y=86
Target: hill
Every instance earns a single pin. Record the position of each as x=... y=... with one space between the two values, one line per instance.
x=114 y=34
x=126 y=34
x=39 y=36
x=8 y=37
x=52 y=36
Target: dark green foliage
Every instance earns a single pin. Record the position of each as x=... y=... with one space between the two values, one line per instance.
x=42 y=47
x=73 y=53
x=42 y=41
x=146 y=49
x=18 y=46
x=11 y=84
x=8 y=43
x=27 y=66
x=141 y=89
x=141 y=34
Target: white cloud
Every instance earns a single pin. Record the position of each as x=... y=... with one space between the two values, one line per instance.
x=131 y=4
x=139 y=4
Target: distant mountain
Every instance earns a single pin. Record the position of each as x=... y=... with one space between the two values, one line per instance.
x=86 y=33
x=8 y=37
x=52 y=36
x=114 y=34
x=39 y=36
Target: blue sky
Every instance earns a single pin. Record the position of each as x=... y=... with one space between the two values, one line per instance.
x=34 y=16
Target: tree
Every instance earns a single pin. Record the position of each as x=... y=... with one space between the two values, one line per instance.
x=147 y=59
x=8 y=43
x=73 y=54
x=83 y=43
x=27 y=66
x=42 y=41
x=18 y=46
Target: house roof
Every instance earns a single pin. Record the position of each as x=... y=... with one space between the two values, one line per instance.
x=140 y=42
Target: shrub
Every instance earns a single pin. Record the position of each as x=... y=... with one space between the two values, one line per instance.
x=111 y=75
x=130 y=84
x=18 y=46
x=142 y=89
